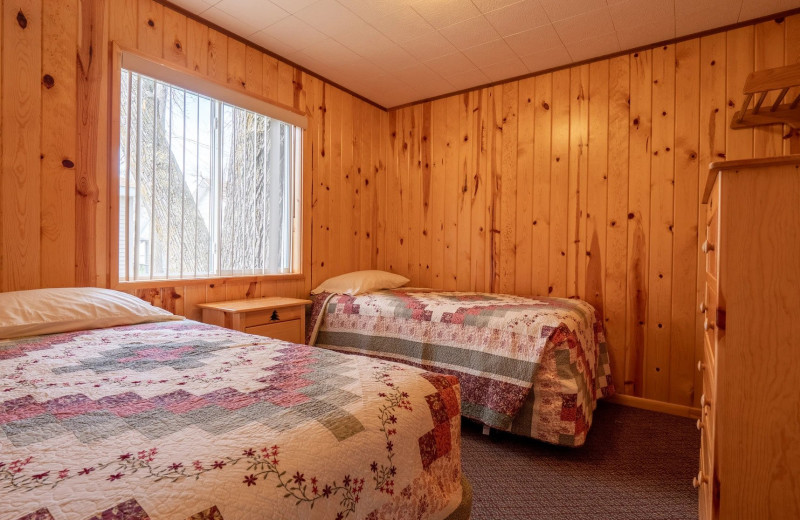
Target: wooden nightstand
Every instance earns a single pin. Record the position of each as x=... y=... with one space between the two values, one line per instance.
x=278 y=318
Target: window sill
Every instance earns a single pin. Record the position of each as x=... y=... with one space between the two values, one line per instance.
x=181 y=282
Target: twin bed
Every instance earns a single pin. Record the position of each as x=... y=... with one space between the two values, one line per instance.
x=534 y=367
x=153 y=417
x=174 y=420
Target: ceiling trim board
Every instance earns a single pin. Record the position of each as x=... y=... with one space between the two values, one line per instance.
x=229 y=34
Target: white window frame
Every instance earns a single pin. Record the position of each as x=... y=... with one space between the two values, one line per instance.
x=167 y=72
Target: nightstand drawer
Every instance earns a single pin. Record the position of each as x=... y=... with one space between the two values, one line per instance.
x=272 y=316
x=290 y=330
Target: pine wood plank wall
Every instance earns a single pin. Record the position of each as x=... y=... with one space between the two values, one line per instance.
x=585 y=183
x=54 y=116
x=580 y=182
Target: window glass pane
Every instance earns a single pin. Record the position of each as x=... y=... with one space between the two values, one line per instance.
x=205 y=187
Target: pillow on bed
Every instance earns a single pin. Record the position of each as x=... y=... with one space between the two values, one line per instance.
x=49 y=311
x=361 y=282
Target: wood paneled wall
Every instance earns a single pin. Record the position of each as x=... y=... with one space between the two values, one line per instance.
x=585 y=183
x=54 y=181
x=581 y=182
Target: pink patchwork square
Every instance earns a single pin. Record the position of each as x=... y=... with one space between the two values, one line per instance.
x=71 y=406
x=191 y=403
x=289 y=399
x=21 y=408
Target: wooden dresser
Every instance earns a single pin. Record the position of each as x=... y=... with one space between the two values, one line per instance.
x=750 y=424
x=278 y=318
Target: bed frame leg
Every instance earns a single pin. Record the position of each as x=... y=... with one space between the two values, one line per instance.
x=486 y=430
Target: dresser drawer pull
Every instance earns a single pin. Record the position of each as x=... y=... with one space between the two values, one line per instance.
x=707 y=246
x=700 y=424
x=274 y=316
x=701 y=366
x=707 y=325
x=703 y=308
x=699 y=480
x=704 y=402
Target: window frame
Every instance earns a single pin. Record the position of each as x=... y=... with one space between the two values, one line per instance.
x=166 y=71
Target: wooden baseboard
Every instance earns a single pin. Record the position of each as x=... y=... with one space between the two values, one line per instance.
x=656 y=406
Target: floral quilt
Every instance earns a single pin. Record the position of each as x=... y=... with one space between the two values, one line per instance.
x=530 y=366
x=181 y=420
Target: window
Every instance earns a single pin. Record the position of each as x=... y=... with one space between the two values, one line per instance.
x=207 y=187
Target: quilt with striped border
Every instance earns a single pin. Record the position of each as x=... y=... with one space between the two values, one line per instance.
x=530 y=366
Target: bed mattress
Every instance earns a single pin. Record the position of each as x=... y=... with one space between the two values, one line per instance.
x=181 y=420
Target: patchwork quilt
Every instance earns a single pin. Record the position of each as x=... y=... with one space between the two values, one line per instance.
x=530 y=366
x=180 y=420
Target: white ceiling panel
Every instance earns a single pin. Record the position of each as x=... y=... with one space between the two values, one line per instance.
x=546 y=59
x=402 y=24
x=518 y=17
x=292 y=6
x=585 y=25
x=235 y=24
x=533 y=40
x=486 y=54
x=469 y=33
x=261 y=13
x=486 y=6
x=451 y=64
x=468 y=79
x=594 y=46
x=506 y=69
x=561 y=9
x=692 y=16
x=398 y=51
x=329 y=17
x=442 y=13
x=432 y=45
x=286 y=31
x=640 y=35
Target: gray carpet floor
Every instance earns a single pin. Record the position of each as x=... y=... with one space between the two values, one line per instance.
x=635 y=465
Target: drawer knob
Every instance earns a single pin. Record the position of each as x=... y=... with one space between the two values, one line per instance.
x=707 y=246
x=703 y=307
x=707 y=325
x=700 y=424
x=700 y=366
x=704 y=402
x=699 y=480
x=274 y=316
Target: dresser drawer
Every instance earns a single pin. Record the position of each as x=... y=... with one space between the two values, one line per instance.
x=709 y=247
x=705 y=490
x=703 y=483
x=710 y=312
x=709 y=358
x=713 y=201
x=707 y=404
x=290 y=330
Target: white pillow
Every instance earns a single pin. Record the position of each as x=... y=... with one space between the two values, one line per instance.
x=49 y=311
x=361 y=282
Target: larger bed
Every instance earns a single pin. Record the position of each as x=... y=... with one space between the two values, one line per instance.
x=534 y=367
x=180 y=420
